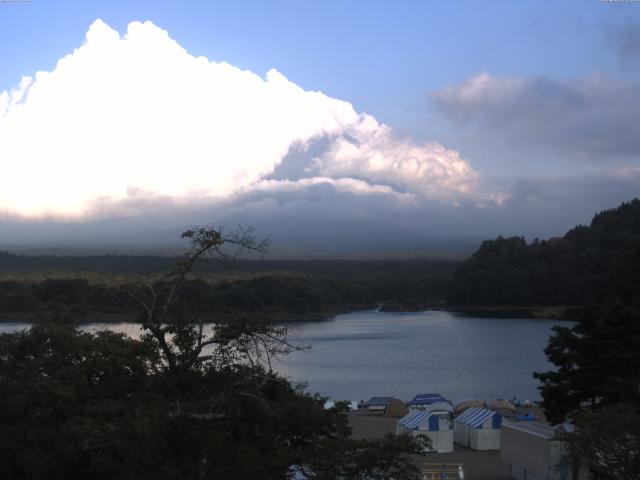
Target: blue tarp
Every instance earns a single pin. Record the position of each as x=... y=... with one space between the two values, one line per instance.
x=427 y=399
x=529 y=417
x=475 y=417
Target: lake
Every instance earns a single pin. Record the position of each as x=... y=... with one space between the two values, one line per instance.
x=361 y=354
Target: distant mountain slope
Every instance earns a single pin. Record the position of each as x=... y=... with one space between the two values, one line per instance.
x=590 y=264
x=293 y=238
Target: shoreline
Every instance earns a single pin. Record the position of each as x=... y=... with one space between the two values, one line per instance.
x=115 y=318
x=549 y=312
x=555 y=312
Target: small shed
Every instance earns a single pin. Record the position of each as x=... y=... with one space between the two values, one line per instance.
x=532 y=450
x=423 y=399
x=463 y=403
x=431 y=425
x=378 y=404
x=478 y=429
x=396 y=408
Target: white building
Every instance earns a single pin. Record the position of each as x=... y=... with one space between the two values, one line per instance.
x=532 y=450
x=432 y=425
x=478 y=429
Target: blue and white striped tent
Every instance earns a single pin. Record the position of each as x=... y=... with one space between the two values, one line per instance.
x=477 y=418
x=430 y=424
x=420 y=420
x=478 y=429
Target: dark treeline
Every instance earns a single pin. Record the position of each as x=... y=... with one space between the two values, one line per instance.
x=105 y=264
x=599 y=263
x=270 y=288
x=595 y=264
x=112 y=264
x=180 y=402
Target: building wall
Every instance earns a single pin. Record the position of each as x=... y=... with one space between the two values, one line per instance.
x=532 y=457
x=526 y=455
x=485 y=439
x=477 y=438
x=441 y=441
x=461 y=434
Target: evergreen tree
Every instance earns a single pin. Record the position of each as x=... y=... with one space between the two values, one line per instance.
x=597 y=360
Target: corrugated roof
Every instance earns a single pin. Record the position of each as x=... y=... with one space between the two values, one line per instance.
x=378 y=401
x=475 y=416
x=533 y=428
x=427 y=399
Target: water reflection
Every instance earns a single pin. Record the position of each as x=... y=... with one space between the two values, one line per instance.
x=361 y=354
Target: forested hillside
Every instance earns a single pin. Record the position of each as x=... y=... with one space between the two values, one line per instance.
x=92 y=286
x=599 y=263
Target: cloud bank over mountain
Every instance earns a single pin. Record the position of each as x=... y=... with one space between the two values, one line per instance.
x=130 y=138
x=135 y=116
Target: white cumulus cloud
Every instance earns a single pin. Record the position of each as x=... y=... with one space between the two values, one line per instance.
x=371 y=151
x=136 y=115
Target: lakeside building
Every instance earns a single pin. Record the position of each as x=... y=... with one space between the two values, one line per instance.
x=478 y=429
x=531 y=450
x=378 y=404
x=396 y=408
x=422 y=400
x=431 y=425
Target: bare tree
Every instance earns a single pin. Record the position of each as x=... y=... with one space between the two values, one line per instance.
x=183 y=343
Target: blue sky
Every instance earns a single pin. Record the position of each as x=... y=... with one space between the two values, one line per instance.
x=552 y=74
x=384 y=57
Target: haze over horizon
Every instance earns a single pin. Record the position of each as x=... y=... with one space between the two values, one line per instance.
x=334 y=128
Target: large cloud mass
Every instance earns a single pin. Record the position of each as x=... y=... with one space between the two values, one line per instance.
x=594 y=118
x=137 y=116
x=625 y=39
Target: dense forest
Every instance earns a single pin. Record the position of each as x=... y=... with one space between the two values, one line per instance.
x=599 y=263
x=277 y=290
x=180 y=402
x=595 y=264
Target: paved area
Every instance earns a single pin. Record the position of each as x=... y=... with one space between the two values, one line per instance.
x=367 y=426
x=477 y=465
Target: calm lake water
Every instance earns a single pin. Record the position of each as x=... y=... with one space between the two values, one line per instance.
x=362 y=354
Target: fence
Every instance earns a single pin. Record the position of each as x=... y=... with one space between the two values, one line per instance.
x=442 y=471
x=516 y=472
